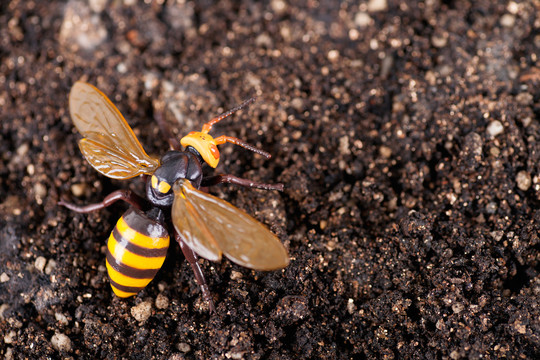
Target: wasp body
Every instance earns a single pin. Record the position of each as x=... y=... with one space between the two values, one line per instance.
x=136 y=251
x=202 y=224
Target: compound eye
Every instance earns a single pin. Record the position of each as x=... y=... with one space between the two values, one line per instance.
x=214 y=151
x=154 y=181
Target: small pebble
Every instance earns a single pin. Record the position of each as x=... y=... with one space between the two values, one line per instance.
x=440 y=324
x=495 y=128
x=279 y=6
x=523 y=180
x=3 y=309
x=354 y=34
x=78 y=189
x=40 y=263
x=497 y=235
x=525 y=99
x=183 y=347
x=236 y=275
x=61 y=342
x=439 y=41
x=333 y=55
x=508 y=20
x=377 y=5
x=285 y=33
x=61 y=318
x=142 y=311
x=385 y=152
x=362 y=19
x=40 y=192
x=4 y=278
x=162 y=302
x=526 y=121
x=10 y=337
x=344 y=146
x=491 y=208
x=494 y=151
x=50 y=267
x=458 y=307
x=519 y=327
x=513 y=7
x=350 y=306
x=237 y=355
x=151 y=80
x=23 y=149
x=264 y=40
x=121 y=68
x=298 y=104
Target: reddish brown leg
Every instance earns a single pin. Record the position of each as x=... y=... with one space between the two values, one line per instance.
x=164 y=129
x=231 y=179
x=125 y=195
x=191 y=257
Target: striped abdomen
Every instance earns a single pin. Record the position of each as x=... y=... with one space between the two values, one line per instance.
x=136 y=251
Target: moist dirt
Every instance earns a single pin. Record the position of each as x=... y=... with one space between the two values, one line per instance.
x=406 y=134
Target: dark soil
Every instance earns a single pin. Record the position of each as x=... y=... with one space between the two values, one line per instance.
x=406 y=136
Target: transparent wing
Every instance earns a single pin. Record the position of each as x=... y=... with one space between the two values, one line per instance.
x=192 y=227
x=109 y=144
x=240 y=237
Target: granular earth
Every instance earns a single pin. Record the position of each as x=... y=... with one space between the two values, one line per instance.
x=406 y=134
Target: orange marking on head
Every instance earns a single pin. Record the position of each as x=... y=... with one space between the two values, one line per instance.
x=204 y=144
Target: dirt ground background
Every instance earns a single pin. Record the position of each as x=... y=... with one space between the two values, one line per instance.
x=406 y=134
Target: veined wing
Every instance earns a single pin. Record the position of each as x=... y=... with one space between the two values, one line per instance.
x=189 y=224
x=212 y=225
x=109 y=144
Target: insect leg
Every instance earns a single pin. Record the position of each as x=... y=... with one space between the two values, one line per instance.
x=126 y=195
x=231 y=179
x=174 y=143
x=191 y=257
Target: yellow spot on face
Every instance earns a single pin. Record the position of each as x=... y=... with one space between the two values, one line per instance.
x=163 y=187
x=154 y=181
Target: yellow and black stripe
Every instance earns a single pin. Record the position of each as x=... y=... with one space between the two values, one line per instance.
x=136 y=251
